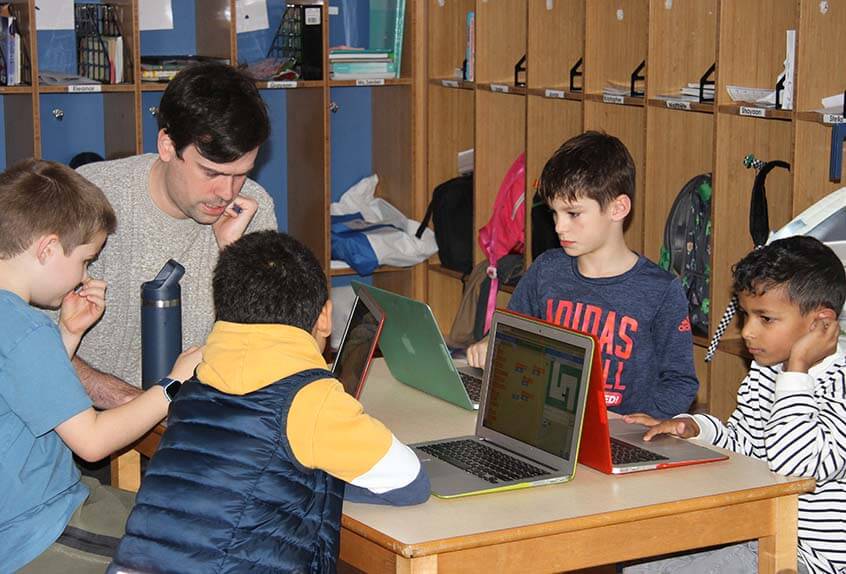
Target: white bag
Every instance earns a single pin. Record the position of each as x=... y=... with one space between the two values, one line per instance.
x=367 y=231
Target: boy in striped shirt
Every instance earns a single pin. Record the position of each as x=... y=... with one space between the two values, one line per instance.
x=791 y=407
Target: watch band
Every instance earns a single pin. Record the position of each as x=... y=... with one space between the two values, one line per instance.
x=170 y=386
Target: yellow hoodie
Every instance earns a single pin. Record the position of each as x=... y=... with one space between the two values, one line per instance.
x=326 y=427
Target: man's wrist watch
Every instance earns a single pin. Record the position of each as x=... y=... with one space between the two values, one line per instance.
x=171 y=387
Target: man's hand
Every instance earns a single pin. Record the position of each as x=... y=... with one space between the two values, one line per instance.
x=186 y=362
x=683 y=427
x=477 y=353
x=234 y=221
x=819 y=342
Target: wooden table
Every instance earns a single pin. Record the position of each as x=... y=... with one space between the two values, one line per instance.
x=595 y=519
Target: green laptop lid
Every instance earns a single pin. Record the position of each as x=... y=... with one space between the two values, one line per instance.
x=414 y=348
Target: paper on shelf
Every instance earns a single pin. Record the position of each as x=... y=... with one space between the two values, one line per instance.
x=155 y=15
x=54 y=15
x=833 y=102
x=751 y=95
x=251 y=16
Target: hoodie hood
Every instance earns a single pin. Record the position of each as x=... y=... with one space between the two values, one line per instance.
x=241 y=358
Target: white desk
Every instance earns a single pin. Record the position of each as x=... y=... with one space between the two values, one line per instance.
x=595 y=519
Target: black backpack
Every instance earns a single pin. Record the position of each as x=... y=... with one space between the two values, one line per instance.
x=544 y=236
x=451 y=212
x=687 y=247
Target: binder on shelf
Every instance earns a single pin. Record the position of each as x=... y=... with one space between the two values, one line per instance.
x=14 y=62
x=299 y=37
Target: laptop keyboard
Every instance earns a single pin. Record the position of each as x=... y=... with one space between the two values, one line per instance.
x=483 y=461
x=625 y=453
x=473 y=385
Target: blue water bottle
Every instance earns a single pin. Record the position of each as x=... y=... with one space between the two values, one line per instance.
x=161 y=323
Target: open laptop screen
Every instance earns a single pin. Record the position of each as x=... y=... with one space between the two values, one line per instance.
x=357 y=346
x=533 y=389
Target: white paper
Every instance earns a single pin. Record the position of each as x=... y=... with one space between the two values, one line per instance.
x=789 y=67
x=155 y=14
x=54 y=14
x=252 y=16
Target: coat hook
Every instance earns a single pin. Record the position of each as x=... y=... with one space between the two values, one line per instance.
x=154 y=111
x=58 y=113
x=334 y=107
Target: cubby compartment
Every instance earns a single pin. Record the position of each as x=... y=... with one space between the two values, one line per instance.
x=447 y=40
x=737 y=137
x=100 y=123
x=500 y=41
x=752 y=46
x=550 y=122
x=811 y=163
x=200 y=28
x=820 y=71
x=628 y=123
x=556 y=44
x=682 y=51
x=615 y=44
x=679 y=146
x=500 y=139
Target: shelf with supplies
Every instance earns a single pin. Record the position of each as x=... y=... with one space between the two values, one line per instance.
x=583 y=61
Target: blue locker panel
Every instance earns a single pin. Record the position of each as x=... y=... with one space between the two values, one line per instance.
x=271 y=169
x=253 y=46
x=181 y=40
x=352 y=138
x=149 y=126
x=351 y=26
x=80 y=129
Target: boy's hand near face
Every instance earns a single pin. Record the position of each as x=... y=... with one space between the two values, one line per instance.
x=477 y=353
x=80 y=309
x=234 y=221
x=819 y=342
x=682 y=427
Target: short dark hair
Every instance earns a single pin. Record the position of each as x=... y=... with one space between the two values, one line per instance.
x=811 y=273
x=269 y=277
x=41 y=197
x=215 y=107
x=592 y=165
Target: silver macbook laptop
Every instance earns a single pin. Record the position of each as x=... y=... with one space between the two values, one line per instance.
x=416 y=353
x=530 y=419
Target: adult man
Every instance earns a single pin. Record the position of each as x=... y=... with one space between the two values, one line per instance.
x=186 y=203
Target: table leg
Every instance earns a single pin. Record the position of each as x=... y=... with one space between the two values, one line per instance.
x=422 y=565
x=777 y=553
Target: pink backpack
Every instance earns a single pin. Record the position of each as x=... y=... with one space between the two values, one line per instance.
x=505 y=231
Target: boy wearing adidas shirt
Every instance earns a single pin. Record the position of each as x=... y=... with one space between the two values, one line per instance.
x=596 y=284
x=791 y=407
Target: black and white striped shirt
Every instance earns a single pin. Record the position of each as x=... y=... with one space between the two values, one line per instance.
x=797 y=423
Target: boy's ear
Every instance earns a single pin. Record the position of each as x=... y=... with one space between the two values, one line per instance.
x=824 y=314
x=620 y=207
x=323 y=325
x=46 y=247
x=166 y=148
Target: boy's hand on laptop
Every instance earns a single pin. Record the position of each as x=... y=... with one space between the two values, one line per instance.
x=477 y=353
x=234 y=221
x=683 y=427
x=186 y=362
x=819 y=342
x=82 y=307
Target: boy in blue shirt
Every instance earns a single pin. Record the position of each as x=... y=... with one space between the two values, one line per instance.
x=52 y=225
x=596 y=284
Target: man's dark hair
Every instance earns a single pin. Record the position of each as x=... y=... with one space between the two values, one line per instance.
x=269 y=277
x=592 y=165
x=215 y=107
x=809 y=270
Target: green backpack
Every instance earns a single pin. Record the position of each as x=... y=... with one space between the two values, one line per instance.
x=686 y=251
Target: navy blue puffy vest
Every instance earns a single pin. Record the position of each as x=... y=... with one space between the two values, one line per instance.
x=224 y=493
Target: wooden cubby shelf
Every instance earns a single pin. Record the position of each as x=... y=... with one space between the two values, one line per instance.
x=577 y=48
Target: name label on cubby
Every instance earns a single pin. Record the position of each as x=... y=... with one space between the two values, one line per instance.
x=677 y=105
x=85 y=89
x=449 y=83
x=370 y=82
x=833 y=119
x=281 y=84
x=501 y=88
x=753 y=112
x=612 y=99
x=559 y=94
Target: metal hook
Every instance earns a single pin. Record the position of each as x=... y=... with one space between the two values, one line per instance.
x=334 y=107
x=58 y=113
x=154 y=111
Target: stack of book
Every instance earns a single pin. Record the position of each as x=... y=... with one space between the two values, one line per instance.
x=10 y=49
x=164 y=68
x=356 y=64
